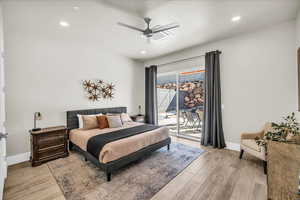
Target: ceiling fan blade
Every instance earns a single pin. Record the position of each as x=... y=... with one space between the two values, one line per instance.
x=131 y=27
x=155 y=27
x=158 y=27
x=165 y=29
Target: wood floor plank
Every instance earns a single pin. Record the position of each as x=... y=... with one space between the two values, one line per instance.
x=168 y=192
x=225 y=186
x=213 y=181
x=244 y=182
x=27 y=183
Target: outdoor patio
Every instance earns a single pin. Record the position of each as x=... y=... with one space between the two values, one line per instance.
x=191 y=129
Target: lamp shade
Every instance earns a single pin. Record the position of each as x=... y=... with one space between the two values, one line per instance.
x=38 y=116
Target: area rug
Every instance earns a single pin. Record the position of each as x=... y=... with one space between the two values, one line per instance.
x=141 y=180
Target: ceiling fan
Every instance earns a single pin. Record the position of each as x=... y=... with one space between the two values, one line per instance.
x=150 y=32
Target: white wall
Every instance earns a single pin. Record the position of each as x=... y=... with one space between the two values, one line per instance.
x=46 y=63
x=297 y=47
x=258 y=76
x=298 y=29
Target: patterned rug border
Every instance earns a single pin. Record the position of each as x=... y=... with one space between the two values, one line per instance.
x=201 y=152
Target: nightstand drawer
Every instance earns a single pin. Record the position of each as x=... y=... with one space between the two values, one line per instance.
x=52 y=134
x=51 y=152
x=51 y=141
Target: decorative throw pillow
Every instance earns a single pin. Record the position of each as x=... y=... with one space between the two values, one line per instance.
x=125 y=118
x=89 y=122
x=80 y=121
x=102 y=121
x=114 y=121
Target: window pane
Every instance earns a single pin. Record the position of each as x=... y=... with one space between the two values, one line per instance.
x=166 y=101
x=191 y=102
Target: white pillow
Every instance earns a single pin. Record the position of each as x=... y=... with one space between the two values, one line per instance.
x=113 y=114
x=125 y=118
x=80 y=120
x=114 y=121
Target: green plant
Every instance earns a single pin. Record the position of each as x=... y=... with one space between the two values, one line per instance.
x=281 y=132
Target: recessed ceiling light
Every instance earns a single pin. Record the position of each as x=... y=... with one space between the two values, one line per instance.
x=76 y=8
x=143 y=52
x=236 y=18
x=64 y=24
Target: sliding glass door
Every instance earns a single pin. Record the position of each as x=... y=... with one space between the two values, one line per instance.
x=180 y=102
x=191 y=98
x=166 y=100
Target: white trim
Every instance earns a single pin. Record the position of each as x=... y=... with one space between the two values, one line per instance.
x=23 y=157
x=233 y=146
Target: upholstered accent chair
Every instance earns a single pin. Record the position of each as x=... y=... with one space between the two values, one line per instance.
x=249 y=145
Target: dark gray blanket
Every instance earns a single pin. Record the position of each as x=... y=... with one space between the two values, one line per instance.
x=97 y=142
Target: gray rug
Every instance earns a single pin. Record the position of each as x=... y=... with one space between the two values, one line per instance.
x=141 y=180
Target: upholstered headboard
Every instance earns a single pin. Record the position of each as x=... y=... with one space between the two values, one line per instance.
x=72 y=119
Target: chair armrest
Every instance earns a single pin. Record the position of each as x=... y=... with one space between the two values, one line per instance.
x=245 y=136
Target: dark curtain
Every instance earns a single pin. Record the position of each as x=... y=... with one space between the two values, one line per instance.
x=151 y=94
x=213 y=129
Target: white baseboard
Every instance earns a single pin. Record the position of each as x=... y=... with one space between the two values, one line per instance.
x=233 y=146
x=23 y=157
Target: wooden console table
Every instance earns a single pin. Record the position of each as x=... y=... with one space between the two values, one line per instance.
x=283 y=171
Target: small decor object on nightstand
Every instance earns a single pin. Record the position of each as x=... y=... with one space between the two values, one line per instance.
x=48 y=144
x=37 y=116
x=138 y=118
x=140 y=110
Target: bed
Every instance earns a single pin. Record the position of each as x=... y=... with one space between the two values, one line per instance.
x=118 y=153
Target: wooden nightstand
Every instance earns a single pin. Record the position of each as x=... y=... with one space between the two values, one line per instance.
x=138 y=118
x=48 y=144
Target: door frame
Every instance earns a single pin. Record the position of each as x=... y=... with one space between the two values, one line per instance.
x=3 y=141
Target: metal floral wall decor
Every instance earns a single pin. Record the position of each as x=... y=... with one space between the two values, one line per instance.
x=98 y=89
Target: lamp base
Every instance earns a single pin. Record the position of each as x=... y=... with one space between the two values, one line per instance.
x=36 y=129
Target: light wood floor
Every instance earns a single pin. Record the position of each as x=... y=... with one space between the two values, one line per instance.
x=215 y=175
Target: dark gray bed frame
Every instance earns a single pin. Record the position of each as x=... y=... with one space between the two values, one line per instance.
x=108 y=168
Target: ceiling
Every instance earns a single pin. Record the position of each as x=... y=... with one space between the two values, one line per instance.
x=201 y=21
x=136 y=7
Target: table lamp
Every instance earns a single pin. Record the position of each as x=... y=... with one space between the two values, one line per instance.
x=37 y=116
x=140 y=110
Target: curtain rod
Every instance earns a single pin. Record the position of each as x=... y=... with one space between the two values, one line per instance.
x=184 y=59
